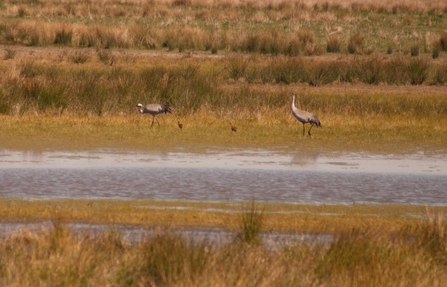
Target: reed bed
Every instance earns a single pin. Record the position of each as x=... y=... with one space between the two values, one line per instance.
x=366 y=249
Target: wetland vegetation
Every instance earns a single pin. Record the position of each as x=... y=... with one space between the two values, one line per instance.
x=72 y=73
x=373 y=244
x=375 y=72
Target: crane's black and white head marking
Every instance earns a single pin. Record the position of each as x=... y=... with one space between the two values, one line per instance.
x=139 y=105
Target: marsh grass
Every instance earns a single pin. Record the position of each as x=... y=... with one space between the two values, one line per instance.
x=169 y=259
x=63 y=37
x=366 y=250
x=288 y=29
x=226 y=86
x=106 y=57
x=79 y=57
x=288 y=217
x=333 y=44
x=356 y=43
x=251 y=223
x=443 y=41
x=10 y=54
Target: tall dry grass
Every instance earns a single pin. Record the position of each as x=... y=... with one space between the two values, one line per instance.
x=362 y=257
x=83 y=85
x=269 y=27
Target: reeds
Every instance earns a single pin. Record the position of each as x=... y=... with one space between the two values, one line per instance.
x=251 y=222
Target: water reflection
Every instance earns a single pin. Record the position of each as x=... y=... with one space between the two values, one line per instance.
x=304 y=159
x=226 y=175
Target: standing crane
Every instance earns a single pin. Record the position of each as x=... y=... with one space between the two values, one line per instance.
x=303 y=116
x=154 y=110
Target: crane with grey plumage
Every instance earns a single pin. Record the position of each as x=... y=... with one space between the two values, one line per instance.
x=154 y=110
x=303 y=116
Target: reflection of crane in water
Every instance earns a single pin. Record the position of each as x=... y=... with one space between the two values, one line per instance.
x=303 y=116
x=154 y=110
x=304 y=159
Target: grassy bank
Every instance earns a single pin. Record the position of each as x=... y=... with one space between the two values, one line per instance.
x=398 y=134
x=374 y=244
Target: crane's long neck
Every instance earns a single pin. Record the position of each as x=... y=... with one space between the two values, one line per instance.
x=292 y=102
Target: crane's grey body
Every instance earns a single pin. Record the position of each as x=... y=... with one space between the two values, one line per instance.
x=154 y=110
x=303 y=116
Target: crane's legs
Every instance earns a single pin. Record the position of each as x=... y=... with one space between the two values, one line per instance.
x=308 y=132
x=153 y=119
x=303 y=130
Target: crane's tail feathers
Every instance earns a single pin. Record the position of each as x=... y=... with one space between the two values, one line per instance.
x=166 y=109
x=314 y=120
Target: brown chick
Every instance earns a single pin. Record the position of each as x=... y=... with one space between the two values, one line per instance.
x=233 y=128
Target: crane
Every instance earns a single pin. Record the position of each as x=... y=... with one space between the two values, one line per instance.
x=154 y=110
x=303 y=116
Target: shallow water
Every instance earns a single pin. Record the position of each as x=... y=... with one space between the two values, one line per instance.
x=135 y=233
x=226 y=175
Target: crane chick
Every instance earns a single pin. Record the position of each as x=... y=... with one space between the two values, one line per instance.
x=233 y=128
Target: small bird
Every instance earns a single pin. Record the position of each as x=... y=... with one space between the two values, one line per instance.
x=154 y=110
x=233 y=128
x=180 y=125
x=303 y=116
